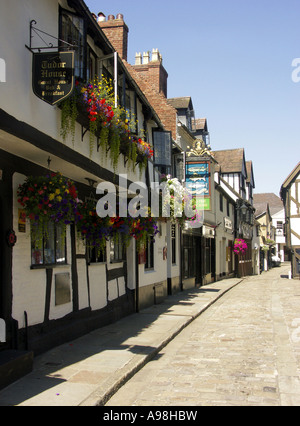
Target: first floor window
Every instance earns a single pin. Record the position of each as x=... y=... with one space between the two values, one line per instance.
x=72 y=31
x=49 y=249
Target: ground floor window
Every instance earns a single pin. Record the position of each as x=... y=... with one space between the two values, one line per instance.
x=117 y=251
x=51 y=248
x=96 y=256
x=150 y=254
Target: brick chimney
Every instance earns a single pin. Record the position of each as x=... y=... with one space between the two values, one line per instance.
x=152 y=71
x=116 y=31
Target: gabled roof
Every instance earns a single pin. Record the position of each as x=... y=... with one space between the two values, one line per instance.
x=181 y=103
x=167 y=114
x=291 y=176
x=231 y=160
x=200 y=124
x=264 y=201
x=250 y=174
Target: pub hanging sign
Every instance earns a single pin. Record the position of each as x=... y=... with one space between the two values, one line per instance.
x=53 y=76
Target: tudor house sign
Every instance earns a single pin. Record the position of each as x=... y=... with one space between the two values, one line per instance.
x=53 y=76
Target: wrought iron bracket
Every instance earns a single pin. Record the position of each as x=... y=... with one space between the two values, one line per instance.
x=83 y=132
x=48 y=46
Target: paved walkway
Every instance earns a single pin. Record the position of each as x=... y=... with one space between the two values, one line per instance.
x=243 y=351
x=89 y=370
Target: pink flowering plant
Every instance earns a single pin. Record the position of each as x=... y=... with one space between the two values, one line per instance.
x=240 y=246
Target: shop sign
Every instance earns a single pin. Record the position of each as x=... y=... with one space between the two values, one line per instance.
x=208 y=232
x=228 y=223
x=198 y=182
x=53 y=76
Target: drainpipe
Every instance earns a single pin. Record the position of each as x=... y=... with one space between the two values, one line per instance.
x=116 y=78
x=137 y=282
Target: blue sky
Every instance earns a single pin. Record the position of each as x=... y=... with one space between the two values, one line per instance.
x=234 y=58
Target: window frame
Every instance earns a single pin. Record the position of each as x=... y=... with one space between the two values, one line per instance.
x=55 y=244
x=117 y=248
x=84 y=52
x=149 y=254
x=92 y=254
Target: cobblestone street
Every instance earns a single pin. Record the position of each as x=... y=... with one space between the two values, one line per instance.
x=244 y=350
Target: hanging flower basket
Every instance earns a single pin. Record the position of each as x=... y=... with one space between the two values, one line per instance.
x=178 y=201
x=93 y=106
x=50 y=198
x=142 y=230
x=240 y=246
x=92 y=229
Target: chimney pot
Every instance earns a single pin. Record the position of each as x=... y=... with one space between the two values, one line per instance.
x=138 y=59
x=155 y=55
x=146 y=58
x=101 y=17
x=117 y=33
x=120 y=16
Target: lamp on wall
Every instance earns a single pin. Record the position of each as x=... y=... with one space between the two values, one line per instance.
x=243 y=209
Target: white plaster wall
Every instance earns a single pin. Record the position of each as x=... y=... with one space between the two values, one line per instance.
x=98 y=291
x=17 y=97
x=159 y=273
x=29 y=286
x=82 y=284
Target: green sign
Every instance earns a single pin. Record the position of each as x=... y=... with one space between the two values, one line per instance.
x=198 y=178
x=203 y=204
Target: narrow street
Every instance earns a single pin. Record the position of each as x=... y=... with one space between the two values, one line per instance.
x=243 y=351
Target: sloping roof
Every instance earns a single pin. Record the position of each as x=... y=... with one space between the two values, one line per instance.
x=180 y=103
x=200 y=124
x=167 y=114
x=231 y=160
x=249 y=170
x=291 y=176
x=262 y=201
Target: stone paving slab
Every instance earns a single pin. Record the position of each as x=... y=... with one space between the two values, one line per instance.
x=243 y=351
x=89 y=370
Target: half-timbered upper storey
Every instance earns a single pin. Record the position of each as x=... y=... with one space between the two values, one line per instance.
x=29 y=127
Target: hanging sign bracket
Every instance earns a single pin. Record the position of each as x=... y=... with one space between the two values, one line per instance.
x=33 y=30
